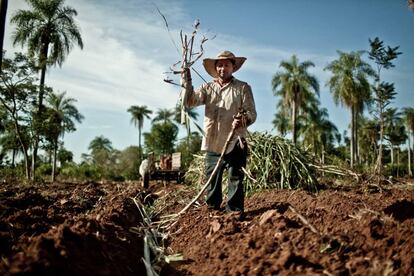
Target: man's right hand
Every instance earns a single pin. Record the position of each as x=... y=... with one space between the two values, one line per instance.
x=186 y=74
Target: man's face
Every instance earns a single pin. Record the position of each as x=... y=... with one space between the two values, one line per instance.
x=224 y=68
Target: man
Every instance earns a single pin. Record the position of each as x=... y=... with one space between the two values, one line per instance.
x=146 y=168
x=228 y=104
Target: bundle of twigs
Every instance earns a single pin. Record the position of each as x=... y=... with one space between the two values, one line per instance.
x=192 y=49
x=189 y=55
x=154 y=250
x=191 y=52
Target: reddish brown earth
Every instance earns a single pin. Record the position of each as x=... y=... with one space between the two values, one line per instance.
x=358 y=232
x=85 y=228
x=69 y=229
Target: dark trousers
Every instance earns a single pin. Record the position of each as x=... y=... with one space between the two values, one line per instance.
x=233 y=161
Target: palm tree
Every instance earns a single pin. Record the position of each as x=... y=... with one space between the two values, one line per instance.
x=362 y=100
x=100 y=143
x=295 y=86
x=139 y=113
x=349 y=86
x=318 y=132
x=368 y=139
x=3 y=13
x=394 y=130
x=62 y=116
x=281 y=121
x=50 y=32
x=164 y=115
x=409 y=120
x=397 y=135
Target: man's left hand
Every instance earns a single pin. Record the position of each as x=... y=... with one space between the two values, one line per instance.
x=239 y=121
x=236 y=123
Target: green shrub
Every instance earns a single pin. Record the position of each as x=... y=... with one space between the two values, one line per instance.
x=80 y=172
x=7 y=173
x=44 y=169
x=395 y=170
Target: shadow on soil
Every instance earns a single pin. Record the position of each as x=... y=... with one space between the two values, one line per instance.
x=401 y=210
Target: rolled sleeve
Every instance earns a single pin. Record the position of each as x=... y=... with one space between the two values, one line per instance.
x=193 y=97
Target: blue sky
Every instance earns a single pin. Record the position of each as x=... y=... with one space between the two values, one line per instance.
x=127 y=49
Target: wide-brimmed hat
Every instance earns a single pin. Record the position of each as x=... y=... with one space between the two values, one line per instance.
x=210 y=63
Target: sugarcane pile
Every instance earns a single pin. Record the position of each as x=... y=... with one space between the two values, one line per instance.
x=273 y=162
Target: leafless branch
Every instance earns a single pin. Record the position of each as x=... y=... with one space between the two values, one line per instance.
x=168 y=28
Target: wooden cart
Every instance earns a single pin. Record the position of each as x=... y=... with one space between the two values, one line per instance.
x=169 y=170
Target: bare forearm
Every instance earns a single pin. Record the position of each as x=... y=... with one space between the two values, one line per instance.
x=249 y=107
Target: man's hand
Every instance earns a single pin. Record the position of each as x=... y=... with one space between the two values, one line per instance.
x=236 y=123
x=239 y=120
x=186 y=78
x=186 y=74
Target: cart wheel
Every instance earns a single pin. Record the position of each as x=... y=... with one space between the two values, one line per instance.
x=145 y=180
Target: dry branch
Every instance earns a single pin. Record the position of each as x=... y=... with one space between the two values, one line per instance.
x=188 y=58
x=168 y=28
x=336 y=170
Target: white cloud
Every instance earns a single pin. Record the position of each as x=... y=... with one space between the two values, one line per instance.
x=117 y=69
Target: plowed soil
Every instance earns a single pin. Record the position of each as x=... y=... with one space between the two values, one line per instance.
x=71 y=229
x=355 y=232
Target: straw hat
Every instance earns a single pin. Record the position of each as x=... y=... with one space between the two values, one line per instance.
x=210 y=63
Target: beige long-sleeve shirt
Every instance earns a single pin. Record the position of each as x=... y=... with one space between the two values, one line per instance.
x=221 y=104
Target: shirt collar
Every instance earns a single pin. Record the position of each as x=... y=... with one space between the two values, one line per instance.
x=231 y=81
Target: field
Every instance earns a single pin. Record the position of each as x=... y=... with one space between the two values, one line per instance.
x=91 y=228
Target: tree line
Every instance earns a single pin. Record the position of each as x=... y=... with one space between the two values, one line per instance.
x=357 y=85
